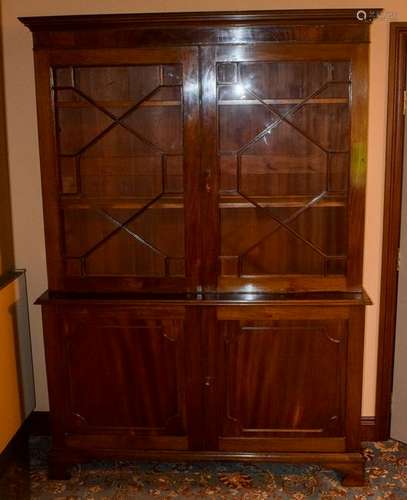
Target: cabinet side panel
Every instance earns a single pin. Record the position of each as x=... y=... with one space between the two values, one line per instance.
x=357 y=181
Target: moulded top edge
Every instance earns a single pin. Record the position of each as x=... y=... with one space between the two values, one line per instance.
x=98 y=21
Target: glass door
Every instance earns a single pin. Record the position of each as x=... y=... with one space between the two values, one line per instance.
x=126 y=168
x=284 y=167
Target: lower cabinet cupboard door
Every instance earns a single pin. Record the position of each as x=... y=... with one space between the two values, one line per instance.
x=125 y=378
x=282 y=383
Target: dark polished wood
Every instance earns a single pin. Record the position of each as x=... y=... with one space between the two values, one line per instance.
x=146 y=348
x=391 y=225
x=204 y=299
x=349 y=465
x=284 y=397
x=204 y=183
x=179 y=370
x=192 y=28
x=39 y=425
x=293 y=16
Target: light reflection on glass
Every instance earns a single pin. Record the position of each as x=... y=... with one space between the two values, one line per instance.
x=249 y=296
x=240 y=90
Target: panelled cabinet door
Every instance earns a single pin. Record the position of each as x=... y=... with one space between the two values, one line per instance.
x=120 y=166
x=124 y=369
x=280 y=379
x=289 y=157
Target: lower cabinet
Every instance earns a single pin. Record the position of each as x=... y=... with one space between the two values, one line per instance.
x=118 y=376
x=205 y=381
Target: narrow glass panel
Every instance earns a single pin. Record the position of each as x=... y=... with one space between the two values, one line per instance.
x=324 y=227
x=121 y=177
x=68 y=170
x=267 y=258
x=118 y=83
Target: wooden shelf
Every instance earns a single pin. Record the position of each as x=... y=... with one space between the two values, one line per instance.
x=117 y=104
x=251 y=102
x=176 y=202
x=235 y=201
x=172 y=103
x=352 y=298
x=84 y=203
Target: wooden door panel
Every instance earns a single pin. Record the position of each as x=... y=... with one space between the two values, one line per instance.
x=282 y=379
x=126 y=371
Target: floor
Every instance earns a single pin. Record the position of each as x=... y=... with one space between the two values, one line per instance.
x=386 y=473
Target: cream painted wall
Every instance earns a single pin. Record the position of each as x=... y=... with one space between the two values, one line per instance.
x=24 y=162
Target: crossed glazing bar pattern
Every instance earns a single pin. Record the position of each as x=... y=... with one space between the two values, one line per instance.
x=284 y=137
x=120 y=158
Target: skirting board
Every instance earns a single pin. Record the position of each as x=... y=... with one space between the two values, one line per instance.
x=40 y=425
x=368 y=429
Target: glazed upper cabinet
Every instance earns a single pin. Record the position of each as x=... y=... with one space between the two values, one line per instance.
x=215 y=168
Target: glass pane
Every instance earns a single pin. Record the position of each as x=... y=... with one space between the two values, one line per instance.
x=324 y=227
x=283 y=145
x=288 y=79
x=236 y=109
x=282 y=253
x=118 y=83
x=97 y=240
x=272 y=166
x=128 y=177
x=120 y=141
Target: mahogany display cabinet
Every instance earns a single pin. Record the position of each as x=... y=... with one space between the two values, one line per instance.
x=203 y=180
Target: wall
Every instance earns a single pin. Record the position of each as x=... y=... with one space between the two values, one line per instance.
x=23 y=146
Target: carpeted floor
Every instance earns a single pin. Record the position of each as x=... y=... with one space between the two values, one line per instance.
x=386 y=472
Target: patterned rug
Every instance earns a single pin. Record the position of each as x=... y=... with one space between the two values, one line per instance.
x=386 y=472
